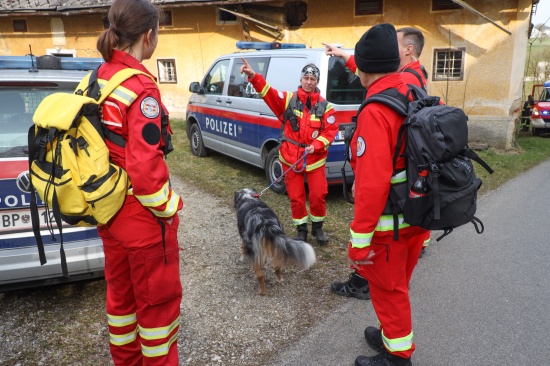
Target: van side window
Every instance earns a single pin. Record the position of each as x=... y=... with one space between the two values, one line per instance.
x=215 y=80
x=343 y=86
x=238 y=83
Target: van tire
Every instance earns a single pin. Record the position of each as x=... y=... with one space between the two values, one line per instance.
x=197 y=144
x=273 y=170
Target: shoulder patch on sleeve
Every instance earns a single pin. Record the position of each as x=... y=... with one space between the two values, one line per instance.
x=331 y=120
x=361 y=146
x=150 y=107
x=281 y=95
x=151 y=133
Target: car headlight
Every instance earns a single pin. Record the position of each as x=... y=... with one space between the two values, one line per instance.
x=534 y=111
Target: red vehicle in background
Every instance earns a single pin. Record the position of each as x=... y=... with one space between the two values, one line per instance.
x=540 y=111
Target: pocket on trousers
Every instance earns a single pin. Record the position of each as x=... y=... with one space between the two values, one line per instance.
x=380 y=272
x=163 y=277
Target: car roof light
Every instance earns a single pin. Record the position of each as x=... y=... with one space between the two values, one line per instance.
x=547 y=84
x=64 y=63
x=242 y=45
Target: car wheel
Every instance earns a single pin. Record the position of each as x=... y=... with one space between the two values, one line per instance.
x=197 y=145
x=535 y=131
x=273 y=170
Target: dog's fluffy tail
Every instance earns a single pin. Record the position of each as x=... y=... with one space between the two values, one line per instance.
x=296 y=251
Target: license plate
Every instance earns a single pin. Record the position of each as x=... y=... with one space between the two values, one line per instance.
x=20 y=220
x=339 y=136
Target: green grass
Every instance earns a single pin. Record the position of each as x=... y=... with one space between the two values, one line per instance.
x=222 y=176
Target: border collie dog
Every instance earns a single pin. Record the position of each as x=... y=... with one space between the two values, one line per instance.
x=264 y=238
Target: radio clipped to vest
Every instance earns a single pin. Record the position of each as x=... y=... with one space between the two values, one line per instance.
x=69 y=161
x=290 y=116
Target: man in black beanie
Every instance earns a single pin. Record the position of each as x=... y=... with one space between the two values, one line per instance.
x=386 y=264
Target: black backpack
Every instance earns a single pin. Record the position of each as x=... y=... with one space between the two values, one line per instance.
x=436 y=140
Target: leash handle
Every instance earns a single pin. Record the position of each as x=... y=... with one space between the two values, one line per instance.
x=303 y=157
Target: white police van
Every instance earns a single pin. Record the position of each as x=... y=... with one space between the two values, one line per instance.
x=24 y=82
x=226 y=114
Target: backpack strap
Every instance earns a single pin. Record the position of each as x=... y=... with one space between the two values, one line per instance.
x=413 y=71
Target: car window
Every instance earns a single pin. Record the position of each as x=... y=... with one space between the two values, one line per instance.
x=284 y=72
x=343 y=86
x=545 y=96
x=215 y=80
x=238 y=82
x=16 y=109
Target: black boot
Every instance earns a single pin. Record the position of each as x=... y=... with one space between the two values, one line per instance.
x=317 y=232
x=373 y=336
x=356 y=286
x=302 y=232
x=382 y=359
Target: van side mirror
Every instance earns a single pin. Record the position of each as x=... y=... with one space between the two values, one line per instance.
x=195 y=87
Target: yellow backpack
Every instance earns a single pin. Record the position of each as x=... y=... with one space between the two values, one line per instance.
x=69 y=161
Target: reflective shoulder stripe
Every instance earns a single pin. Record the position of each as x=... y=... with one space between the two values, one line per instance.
x=122 y=94
x=398 y=344
x=289 y=96
x=328 y=107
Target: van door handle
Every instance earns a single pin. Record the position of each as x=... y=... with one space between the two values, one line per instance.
x=228 y=101
x=218 y=100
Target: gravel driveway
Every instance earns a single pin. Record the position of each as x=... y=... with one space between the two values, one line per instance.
x=224 y=320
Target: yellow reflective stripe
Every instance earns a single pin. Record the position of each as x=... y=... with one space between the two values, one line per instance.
x=385 y=223
x=324 y=141
x=426 y=242
x=301 y=221
x=170 y=208
x=122 y=94
x=156 y=199
x=315 y=165
x=399 y=177
x=313 y=118
x=160 y=332
x=328 y=107
x=121 y=320
x=316 y=218
x=359 y=240
x=288 y=98
x=265 y=90
x=160 y=350
x=398 y=344
x=356 y=71
x=298 y=113
x=122 y=339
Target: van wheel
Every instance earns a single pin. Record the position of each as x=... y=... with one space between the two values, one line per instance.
x=197 y=145
x=273 y=170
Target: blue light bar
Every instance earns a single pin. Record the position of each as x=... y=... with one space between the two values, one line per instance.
x=67 y=63
x=241 y=45
x=547 y=84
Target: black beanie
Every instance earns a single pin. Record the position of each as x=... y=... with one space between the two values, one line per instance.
x=377 y=50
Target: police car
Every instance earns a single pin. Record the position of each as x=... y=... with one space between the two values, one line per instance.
x=226 y=114
x=24 y=82
x=540 y=112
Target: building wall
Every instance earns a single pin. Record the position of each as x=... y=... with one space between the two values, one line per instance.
x=494 y=60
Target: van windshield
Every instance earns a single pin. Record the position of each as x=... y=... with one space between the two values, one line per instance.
x=343 y=86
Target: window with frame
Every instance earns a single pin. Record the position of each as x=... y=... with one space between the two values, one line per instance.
x=166 y=19
x=20 y=25
x=448 y=64
x=368 y=7
x=214 y=82
x=166 y=69
x=239 y=86
x=444 y=5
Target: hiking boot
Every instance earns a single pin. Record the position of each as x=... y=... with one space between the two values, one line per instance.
x=373 y=336
x=356 y=287
x=302 y=232
x=382 y=359
x=317 y=232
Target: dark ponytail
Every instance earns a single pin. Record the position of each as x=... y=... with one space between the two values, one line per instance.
x=128 y=20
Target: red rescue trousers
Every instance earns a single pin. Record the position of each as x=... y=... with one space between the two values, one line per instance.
x=389 y=277
x=318 y=189
x=143 y=286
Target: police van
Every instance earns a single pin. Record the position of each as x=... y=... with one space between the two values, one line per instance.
x=24 y=82
x=226 y=114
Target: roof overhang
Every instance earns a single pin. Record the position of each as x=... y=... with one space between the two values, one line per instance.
x=470 y=8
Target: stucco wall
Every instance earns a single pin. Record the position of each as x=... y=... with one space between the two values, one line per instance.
x=494 y=60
